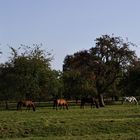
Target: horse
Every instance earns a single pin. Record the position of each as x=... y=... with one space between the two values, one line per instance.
x=90 y=100
x=60 y=102
x=28 y=104
x=130 y=100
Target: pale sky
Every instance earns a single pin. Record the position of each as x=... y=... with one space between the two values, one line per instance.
x=66 y=26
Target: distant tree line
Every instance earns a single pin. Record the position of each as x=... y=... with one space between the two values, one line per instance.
x=109 y=69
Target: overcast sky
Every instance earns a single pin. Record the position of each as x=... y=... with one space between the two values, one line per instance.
x=66 y=26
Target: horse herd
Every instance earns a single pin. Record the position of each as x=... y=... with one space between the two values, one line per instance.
x=62 y=103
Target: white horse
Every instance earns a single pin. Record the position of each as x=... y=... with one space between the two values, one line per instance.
x=130 y=100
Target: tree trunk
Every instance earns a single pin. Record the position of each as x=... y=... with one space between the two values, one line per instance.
x=101 y=100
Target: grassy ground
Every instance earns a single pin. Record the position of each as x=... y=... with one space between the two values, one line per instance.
x=110 y=123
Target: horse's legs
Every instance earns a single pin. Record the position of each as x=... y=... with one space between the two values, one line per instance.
x=20 y=107
x=56 y=106
x=66 y=106
x=33 y=107
x=96 y=104
x=17 y=106
x=63 y=106
x=27 y=108
x=60 y=106
x=136 y=102
x=82 y=105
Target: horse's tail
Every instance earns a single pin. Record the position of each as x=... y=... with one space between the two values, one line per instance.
x=33 y=106
x=18 y=105
x=54 y=104
x=67 y=106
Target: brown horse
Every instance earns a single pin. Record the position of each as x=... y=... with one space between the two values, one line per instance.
x=27 y=104
x=90 y=100
x=60 y=102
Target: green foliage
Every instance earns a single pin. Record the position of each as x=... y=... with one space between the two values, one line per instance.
x=6 y=82
x=56 y=88
x=101 y=68
x=76 y=85
x=131 y=81
x=114 y=57
x=27 y=74
x=32 y=71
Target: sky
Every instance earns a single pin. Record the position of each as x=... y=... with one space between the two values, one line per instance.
x=66 y=26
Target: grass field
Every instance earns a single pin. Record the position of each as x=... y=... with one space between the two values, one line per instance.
x=113 y=122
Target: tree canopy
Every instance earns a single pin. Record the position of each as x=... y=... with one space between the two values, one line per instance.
x=27 y=74
x=102 y=65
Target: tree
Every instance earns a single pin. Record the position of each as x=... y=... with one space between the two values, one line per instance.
x=131 y=80
x=7 y=79
x=103 y=64
x=56 y=87
x=32 y=69
x=27 y=74
x=115 y=57
x=78 y=79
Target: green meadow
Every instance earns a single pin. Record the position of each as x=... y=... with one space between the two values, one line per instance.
x=113 y=122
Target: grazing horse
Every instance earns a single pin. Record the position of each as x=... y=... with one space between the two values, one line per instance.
x=27 y=104
x=90 y=100
x=130 y=100
x=60 y=102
